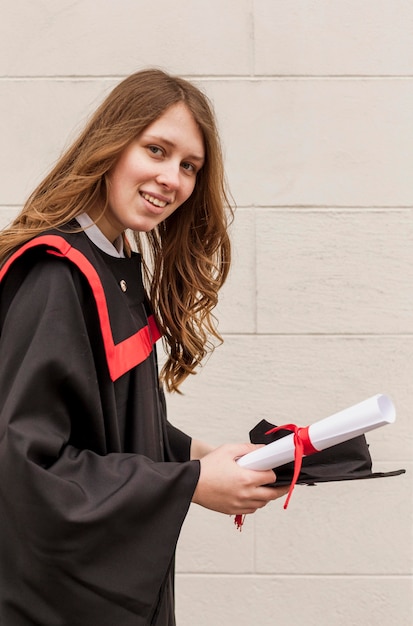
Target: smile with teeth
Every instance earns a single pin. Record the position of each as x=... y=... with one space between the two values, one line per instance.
x=154 y=201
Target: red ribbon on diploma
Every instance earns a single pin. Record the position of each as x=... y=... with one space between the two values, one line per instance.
x=302 y=447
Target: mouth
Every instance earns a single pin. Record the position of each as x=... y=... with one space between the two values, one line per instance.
x=161 y=204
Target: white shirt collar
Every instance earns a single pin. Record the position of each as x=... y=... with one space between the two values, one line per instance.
x=98 y=238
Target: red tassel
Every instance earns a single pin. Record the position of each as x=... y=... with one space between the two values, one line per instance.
x=239 y=521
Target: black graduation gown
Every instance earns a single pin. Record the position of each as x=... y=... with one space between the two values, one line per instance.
x=94 y=482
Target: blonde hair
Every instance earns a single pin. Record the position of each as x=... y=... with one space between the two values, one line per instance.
x=189 y=253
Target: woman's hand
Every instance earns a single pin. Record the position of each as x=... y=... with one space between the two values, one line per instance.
x=226 y=487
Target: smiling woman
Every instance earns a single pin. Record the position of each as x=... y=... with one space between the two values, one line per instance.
x=95 y=483
x=154 y=175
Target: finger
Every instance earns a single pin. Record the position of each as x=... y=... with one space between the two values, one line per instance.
x=279 y=492
x=266 y=477
x=266 y=494
x=245 y=448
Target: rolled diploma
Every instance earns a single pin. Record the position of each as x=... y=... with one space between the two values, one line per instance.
x=351 y=422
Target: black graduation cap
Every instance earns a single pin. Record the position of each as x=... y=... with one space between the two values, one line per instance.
x=349 y=460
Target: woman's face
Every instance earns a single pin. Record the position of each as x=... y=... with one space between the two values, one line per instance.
x=154 y=175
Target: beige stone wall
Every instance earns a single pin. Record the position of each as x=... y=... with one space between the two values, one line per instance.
x=315 y=103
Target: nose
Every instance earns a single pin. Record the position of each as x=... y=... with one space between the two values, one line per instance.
x=168 y=176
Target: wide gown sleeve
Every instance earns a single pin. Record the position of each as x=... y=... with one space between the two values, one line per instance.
x=98 y=528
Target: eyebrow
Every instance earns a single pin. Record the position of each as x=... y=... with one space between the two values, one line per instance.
x=172 y=144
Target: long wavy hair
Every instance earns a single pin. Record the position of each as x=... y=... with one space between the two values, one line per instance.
x=186 y=258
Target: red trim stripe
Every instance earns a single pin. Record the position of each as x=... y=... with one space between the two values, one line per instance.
x=123 y=356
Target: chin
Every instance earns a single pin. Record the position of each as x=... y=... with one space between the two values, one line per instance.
x=144 y=227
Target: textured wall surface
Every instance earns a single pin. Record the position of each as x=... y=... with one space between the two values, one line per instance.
x=315 y=103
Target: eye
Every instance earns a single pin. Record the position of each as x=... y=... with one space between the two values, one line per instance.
x=188 y=167
x=155 y=150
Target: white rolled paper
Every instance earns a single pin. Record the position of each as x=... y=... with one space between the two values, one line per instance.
x=356 y=420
